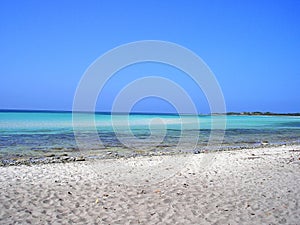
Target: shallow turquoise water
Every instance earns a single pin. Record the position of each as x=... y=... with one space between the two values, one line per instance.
x=35 y=133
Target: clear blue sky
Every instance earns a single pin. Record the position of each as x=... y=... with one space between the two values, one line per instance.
x=253 y=48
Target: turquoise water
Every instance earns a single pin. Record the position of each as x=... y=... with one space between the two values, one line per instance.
x=38 y=133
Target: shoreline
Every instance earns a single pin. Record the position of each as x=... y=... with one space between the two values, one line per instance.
x=250 y=186
x=116 y=153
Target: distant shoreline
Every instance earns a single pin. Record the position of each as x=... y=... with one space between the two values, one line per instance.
x=255 y=113
x=261 y=114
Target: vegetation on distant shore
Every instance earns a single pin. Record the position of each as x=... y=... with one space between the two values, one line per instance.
x=262 y=114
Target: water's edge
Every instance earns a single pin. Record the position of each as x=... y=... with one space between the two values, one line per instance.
x=65 y=158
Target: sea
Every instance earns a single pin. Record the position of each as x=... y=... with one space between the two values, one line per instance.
x=36 y=134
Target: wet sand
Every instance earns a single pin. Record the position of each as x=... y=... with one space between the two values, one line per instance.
x=250 y=186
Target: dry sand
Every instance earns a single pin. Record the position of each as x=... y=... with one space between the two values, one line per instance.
x=251 y=186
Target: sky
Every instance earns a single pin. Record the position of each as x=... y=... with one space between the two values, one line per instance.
x=252 y=47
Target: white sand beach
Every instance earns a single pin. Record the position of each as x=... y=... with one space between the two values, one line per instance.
x=250 y=186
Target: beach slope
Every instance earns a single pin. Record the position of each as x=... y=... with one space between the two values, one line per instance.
x=250 y=186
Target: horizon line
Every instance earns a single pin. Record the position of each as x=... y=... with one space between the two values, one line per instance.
x=152 y=113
